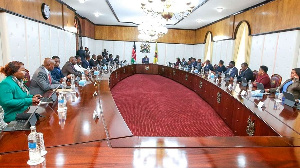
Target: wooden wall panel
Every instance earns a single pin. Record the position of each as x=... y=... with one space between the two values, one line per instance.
x=179 y=36
x=116 y=33
x=131 y=34
x=220 y=30
x=88 y=28
x=68 y=18
x=32 y=9
x=274 y=16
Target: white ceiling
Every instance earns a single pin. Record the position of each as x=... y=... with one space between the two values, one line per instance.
x=129 y=12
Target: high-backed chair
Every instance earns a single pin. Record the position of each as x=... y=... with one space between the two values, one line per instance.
x=275 y=81
x=27 y=78
x=255 y=73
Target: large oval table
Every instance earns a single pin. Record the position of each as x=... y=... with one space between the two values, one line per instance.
x=107 y=141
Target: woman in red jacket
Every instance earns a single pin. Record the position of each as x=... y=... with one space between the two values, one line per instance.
x=263 y=77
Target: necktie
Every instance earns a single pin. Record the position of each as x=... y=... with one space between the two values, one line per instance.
x=49 y=77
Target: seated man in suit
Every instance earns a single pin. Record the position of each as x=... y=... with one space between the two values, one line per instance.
x=93 y=61
x=199 y=65
x=183 y=62
x=245 y=73
x=69 y=68
x=194 y=62
x=85 y=62
x=231 y=71
x=56 y=72
x=116 y=60
x=220 y=68
x=41 y=80
x=145 y=60
x=208 y=66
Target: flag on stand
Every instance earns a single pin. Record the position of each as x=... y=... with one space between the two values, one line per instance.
x=155 y=56
x=133 y=56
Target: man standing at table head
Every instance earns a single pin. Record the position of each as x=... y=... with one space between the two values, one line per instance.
x=41 y=80
x=245 y=73
x=81 y=53
x=231 y=71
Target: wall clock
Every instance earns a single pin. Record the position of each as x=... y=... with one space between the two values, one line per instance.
x=45 y=11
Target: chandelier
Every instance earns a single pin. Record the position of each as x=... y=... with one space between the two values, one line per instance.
x=151 y=29
x=168 y=8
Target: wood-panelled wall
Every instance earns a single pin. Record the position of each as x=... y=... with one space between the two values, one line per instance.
x=123 y=33
x=32 y=9
x=220 y=30
x=68 y=17
x=88 y=28
x=274 y=16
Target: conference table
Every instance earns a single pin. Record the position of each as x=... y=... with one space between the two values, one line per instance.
x=81 y=140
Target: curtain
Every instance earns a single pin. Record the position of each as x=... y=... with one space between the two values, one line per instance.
x=243 y=29
x=208 y=47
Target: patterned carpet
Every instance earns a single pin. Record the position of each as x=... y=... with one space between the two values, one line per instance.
x=152 y=105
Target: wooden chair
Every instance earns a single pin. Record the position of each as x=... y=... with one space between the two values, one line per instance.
x=26 y=79
x=255 y=73
x=275 y=81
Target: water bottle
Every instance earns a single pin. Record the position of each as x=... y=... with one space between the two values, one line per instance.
x=83 y=76
x=277 y=93
x=64 y=83
x=72 y=81
x=212 y=75
x=250 y=86
x=235 y=80
x=40 y=140
x=60 y=102
x=34 y=151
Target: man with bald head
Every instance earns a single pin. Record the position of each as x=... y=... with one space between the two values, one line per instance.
x=69 y=68
x=41 y=80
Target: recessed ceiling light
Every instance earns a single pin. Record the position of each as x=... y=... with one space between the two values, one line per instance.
x=219 y=9
x=97 y=14
x=198 y=20
x=82 y=1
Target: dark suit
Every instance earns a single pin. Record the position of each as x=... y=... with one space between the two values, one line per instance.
x=145 y=60
x=68 y=68
x=116 y=60
x=248 y=74
x=93 y=63
x=221 y=69
x=40 y=83
x=57 y=74
x=232 y=72
x=81 y=53
x=194 y=64
x=208 y=67
x=85 y=64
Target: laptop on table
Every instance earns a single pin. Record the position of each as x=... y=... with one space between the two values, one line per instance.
x=260 y=87
x=289 y=99
x=49 y=99
x=22 y=125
